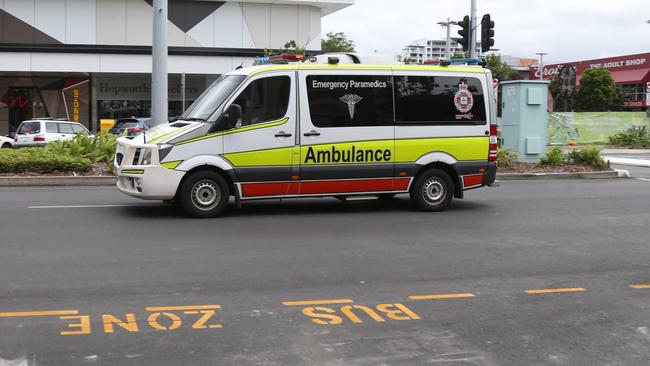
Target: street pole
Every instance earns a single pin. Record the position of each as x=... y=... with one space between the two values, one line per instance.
x=472 y=34
x=541 y=64
x=447 y=24
x=159 y=98
x=448 y=44
x=183 y=92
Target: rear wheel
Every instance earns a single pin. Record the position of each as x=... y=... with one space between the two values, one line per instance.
x=6 y=145
x=432 y=190
x=204 y=194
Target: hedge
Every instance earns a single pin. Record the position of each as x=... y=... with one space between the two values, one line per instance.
x=40 y=160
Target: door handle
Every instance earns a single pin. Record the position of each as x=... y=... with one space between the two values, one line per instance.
x=282 y=134
x=312 y=133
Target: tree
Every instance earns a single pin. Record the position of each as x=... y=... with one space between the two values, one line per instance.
x=337 y=42
x=290 y=48
x=561 y=102
x=500 y=70
x=597 y=91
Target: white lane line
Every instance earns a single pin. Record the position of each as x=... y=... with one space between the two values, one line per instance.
x=86 y=206
x=644 y=179
x=627 y=161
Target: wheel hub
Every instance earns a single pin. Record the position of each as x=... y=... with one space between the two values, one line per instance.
x=433 y=190
x=205 y=195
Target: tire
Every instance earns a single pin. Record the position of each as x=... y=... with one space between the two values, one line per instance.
x=432 y=191
x=6 y=145
x=204 y=194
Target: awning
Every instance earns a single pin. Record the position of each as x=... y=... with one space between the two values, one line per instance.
x=630 y=76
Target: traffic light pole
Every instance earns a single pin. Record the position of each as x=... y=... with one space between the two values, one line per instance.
x=472 y=30
x=159 y=103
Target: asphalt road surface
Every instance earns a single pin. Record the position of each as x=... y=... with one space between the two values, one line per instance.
x=529 y=273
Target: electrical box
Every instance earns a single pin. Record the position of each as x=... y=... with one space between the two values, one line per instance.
x=524 y=118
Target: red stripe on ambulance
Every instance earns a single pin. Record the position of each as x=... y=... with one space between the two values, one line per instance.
x=324 y=187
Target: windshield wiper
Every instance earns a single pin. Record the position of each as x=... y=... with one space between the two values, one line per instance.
x=194 y=119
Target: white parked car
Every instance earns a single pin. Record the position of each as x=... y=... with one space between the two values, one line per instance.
x=6 y=142
x=40 y=132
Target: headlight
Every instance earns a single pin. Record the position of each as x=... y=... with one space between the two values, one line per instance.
x=146 y=157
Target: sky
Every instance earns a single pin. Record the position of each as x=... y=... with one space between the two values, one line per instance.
x=568 y=30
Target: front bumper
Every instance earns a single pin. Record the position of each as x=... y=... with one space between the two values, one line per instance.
x=151 y=182
x=146 y=181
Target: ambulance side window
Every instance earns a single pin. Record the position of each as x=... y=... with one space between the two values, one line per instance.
x=350 y=100
x=264 y=100
x=439 y=100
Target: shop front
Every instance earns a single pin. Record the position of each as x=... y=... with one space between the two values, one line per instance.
x=87 y=98
x=630 y=73
x=55 y=95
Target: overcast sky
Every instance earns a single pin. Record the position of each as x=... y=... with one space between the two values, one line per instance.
x=568 y=30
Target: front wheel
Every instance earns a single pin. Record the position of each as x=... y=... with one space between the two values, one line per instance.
x=6 y=145
x=204 y=194
x=432 y=190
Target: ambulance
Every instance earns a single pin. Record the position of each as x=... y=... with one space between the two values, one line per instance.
x=329 y=125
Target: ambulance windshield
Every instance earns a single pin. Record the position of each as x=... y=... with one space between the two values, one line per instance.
x=212 y=98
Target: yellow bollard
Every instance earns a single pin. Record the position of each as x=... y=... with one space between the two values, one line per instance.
x=105 y=125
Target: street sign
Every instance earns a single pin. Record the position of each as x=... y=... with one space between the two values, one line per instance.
x=495 y=86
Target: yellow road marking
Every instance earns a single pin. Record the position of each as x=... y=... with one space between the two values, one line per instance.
x=39 y=313
x=188 y=307
x=554 y=290
x=640 y=286
x=317 y=302
x=440 y=296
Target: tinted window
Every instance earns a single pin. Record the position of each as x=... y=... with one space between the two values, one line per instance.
x=27 y=128
x=51 y=127
x=350 y=100
x=79 y=129
x=264 y=100
x=65 y=128
x=126 y=124
x=439 y=99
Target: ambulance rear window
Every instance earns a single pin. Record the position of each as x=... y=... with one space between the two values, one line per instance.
x=439 y=100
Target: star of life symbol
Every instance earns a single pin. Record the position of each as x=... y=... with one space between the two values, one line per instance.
x=351 y=100
x=464 y=100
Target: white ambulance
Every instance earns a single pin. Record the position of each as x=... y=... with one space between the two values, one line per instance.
x=328 y=126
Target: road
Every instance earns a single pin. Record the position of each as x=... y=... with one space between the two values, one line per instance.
x=529 y=273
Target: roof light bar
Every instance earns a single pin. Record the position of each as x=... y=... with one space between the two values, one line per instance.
x=278 y=59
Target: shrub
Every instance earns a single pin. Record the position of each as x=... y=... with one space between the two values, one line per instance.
x=40 y=160
x=506 y=156
x=589 y=156
x=96 y=148
x=553 y=157
x=633 y=136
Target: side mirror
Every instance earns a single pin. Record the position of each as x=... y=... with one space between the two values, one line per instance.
x=232 y=116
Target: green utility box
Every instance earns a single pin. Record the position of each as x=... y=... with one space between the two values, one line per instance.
x=524 y=118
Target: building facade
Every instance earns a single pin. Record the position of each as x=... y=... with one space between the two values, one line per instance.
x=631 y=74
x=90 y=59
x=426 y=49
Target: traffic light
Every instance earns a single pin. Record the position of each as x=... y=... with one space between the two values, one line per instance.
x=487 y=32
x=464 y=32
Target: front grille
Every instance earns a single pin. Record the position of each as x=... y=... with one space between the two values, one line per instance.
x=118 y=158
